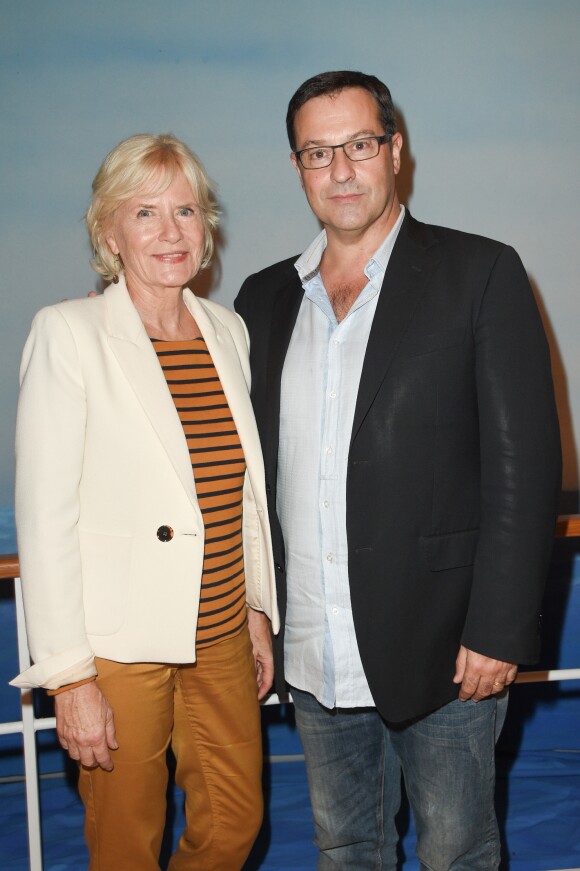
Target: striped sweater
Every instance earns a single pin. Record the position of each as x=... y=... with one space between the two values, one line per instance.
x=219 y=468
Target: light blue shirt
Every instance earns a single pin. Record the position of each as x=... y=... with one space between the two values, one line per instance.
x=320 y=384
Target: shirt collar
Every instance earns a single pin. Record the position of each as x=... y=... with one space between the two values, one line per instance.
x=308 y=264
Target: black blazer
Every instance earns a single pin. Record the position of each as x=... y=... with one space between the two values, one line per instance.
x=454 y=464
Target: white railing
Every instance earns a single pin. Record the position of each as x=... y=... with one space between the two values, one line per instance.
x=568 y=526
x=28 y=726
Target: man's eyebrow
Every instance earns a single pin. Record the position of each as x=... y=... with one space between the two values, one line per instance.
x=358 y=135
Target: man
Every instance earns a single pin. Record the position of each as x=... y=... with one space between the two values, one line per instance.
x=401 y=383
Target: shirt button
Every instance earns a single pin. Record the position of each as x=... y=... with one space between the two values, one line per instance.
x=335 y=610
x=165 y=533
x=326 y=503
x=330 y=557
x=333 y=394
x=329 y=450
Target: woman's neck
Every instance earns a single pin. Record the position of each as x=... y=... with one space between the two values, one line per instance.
x=165 y=317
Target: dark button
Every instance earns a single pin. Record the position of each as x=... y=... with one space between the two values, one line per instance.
x=278 y=567
x=268 y=489
x=165 y=533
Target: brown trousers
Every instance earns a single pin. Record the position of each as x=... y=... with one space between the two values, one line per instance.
x=209 y=713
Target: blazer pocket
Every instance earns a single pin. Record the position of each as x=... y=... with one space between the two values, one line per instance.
x=427 y=343
x=452 y=550
x=106 y=566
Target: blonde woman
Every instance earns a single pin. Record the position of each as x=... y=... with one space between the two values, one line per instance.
x=142 y=526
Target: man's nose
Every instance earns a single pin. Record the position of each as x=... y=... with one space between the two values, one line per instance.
x=341 y=167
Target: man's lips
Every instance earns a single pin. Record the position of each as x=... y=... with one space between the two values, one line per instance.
x=345 y=198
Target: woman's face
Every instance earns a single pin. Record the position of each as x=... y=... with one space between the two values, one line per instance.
x=160 y=239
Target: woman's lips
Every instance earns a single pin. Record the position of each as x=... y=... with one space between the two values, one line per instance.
x=171 y=257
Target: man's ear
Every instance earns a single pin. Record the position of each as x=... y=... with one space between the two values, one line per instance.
x=297 y=167
x=396 y=148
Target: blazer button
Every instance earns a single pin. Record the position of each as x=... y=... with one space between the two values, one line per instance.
x=165 y=533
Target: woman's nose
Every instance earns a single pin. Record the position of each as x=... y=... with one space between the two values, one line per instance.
x=170 y=229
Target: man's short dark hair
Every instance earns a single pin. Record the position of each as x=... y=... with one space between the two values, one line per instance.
x=332 y=83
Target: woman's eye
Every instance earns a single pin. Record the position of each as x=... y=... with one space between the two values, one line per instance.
x=143 y=213
x=186 y=211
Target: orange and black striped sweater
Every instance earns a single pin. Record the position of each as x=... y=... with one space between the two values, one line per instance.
x=219 y=468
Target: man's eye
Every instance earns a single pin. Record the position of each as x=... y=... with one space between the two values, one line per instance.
x=361 y=145
x=319 y=154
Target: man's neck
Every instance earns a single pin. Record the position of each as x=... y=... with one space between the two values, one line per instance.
x=347 y=249
x=345 y=257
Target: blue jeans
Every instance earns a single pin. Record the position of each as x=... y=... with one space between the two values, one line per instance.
x=354 y=762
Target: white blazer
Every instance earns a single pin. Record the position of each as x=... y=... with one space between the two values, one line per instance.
x=101 y=464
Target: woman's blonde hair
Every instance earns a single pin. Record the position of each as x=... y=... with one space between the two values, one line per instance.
x=132 y=165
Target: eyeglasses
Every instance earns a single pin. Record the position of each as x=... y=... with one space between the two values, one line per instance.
x=357 y=149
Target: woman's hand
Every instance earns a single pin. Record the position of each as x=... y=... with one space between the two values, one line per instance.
x=259 y=627
x=85 y=725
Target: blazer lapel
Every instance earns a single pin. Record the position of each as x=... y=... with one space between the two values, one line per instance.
x=226 y=359
x=132 y=347
x=404 y=284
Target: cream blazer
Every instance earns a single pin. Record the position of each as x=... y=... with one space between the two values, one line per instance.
x=102 y=463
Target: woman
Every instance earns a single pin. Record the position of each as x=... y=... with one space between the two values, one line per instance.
x=142 y=526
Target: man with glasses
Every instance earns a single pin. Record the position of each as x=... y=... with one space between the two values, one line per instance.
x=401 y=383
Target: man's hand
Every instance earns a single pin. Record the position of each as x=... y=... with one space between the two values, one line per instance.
x=85 y=726
x=480 y=676
x=259 y=627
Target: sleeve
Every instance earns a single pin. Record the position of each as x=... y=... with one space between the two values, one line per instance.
x=241 y=301
x=520 y=467
x=245 y=329
x=50 y=432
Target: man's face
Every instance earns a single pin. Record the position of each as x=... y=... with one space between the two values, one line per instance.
x=350 y=198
